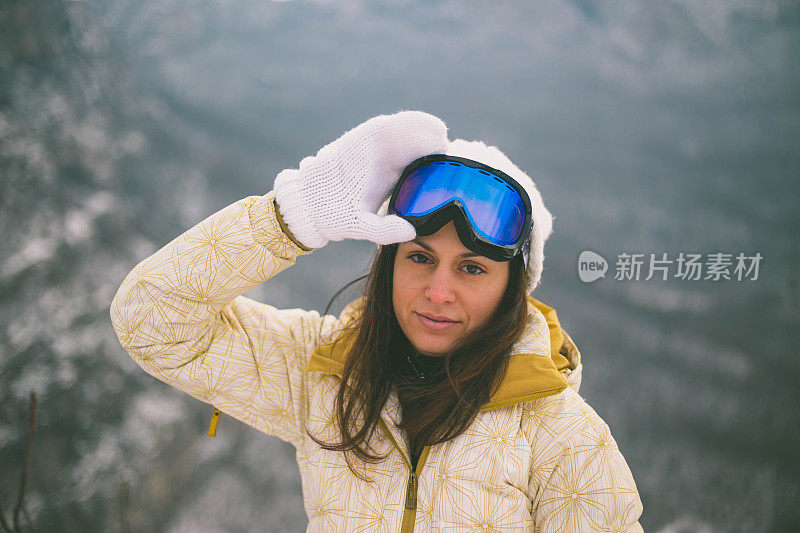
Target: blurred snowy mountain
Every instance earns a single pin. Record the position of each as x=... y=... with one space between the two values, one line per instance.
x=655 y=127
x=84 y=166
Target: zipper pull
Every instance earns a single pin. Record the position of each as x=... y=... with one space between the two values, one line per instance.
x=411 y=492
x=212 y=428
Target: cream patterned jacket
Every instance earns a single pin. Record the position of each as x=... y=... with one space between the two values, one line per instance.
x=537 y=457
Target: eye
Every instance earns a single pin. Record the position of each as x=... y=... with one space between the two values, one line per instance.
x=473 y=270
x=420 y=259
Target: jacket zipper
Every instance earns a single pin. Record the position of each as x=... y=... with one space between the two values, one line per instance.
x=411 y=491
x=409 y=516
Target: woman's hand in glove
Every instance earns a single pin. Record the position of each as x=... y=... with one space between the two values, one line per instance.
x=335 y=195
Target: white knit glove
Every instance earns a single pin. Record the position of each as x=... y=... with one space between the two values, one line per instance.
x=335 y=195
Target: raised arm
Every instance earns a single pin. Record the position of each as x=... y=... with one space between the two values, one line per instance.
x=181 y=317
x=180 y=313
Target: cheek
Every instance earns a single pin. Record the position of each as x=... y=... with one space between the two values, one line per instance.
x=486 y=301
x=401 y=284
x=397 y=299
x=406 y=281
x=486 y=306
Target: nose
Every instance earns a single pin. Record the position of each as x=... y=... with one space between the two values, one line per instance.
x=440 y=287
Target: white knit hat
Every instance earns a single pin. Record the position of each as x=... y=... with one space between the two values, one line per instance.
x=541 y=217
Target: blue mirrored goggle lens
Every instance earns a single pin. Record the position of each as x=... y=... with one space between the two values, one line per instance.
x=494 y=208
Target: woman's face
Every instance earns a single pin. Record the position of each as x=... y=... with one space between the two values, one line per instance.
x=442 y=291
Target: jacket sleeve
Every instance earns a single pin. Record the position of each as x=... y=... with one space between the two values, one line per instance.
x=181 y=317
x=587 y=485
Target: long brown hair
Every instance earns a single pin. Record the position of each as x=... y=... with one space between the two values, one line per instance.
x=445 y=404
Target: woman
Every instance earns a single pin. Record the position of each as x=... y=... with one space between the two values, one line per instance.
x=443 y=399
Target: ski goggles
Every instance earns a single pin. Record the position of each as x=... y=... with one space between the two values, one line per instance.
x=490 y=210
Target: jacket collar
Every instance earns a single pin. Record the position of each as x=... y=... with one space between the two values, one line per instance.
x=544 y=361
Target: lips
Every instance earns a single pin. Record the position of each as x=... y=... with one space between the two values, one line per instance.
x=436 y=318
x=436 y=322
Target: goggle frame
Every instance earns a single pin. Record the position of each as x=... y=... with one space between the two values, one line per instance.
x=454 y=210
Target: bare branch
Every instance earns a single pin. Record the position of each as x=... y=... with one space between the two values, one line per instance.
x=26 y=465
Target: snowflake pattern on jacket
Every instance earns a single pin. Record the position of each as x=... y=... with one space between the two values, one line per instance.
x=536 y=458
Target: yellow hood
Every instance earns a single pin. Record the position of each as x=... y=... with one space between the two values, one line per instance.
x=543 y=361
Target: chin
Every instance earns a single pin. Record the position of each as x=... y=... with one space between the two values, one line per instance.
x=432 y=349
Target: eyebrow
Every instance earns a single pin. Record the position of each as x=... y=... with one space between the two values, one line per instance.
x=465 y=255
